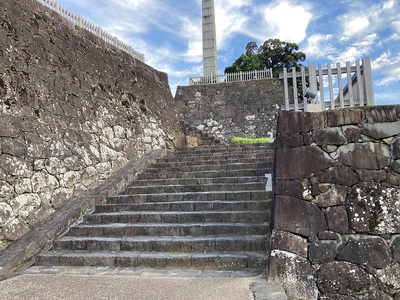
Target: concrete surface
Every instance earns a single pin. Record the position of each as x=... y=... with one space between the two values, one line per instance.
x=108 y=284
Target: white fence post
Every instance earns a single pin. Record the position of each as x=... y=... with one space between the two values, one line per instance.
x=360 y=84
x=285 y=85
x=368 y=83
x=350 y=84
x=321 y=87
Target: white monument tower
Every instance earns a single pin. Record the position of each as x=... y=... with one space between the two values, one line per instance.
x=209 y=39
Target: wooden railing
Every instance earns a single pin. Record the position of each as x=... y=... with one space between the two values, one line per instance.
x=231 y=77
x=82 y=23
x=329 y=88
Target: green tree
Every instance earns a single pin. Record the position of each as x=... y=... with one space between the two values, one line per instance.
x=274 y=54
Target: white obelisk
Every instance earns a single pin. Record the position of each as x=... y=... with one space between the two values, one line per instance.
x=209 y=39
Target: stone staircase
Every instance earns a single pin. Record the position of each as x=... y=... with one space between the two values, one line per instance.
x=198 y=208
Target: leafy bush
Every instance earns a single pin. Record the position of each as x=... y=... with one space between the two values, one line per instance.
x=241 y=140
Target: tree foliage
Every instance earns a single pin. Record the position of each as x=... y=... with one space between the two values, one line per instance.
x=274 y=54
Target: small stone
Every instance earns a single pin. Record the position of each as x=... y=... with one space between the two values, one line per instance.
x=14 y=230
x=336 y=195
x=337 y=219
x=6 y=214
x=322 y=252
x=289 y=242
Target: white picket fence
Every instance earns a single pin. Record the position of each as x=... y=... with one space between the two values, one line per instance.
x=84 y=24
x=231 y=77
x=329 y=88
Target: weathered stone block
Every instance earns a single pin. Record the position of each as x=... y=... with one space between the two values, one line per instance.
x=43 y=182
x=395 y=148
x=299 y=122
x=298 y=216
x=373 y=252
x=344 y=278
x=354 y=154
x=395 y=248
x=371 y=175
x=16 y=166
x=328 y=235
x=334 y=196
x=352 y=133
x=381 y=130
x=301 y=162
x=337 y=219
x=384 y=113
x=393 y=178
x=293 y=188
x=6 y=214
x=329 y=136
x=294 y=273
x=6 y=190
x=389 y=276
x=287 y=140
x=322 y=252
x=13 y=147
x=14 y=229
x=342 y=175
x=396 y=166
x=286 y=241
x=339 y=117
x=373 y=208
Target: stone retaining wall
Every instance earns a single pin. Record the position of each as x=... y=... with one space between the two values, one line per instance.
x=245 y=109
x=73 y=111
x=336 y=220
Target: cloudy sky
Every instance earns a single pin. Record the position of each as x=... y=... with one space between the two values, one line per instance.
x=168 y=32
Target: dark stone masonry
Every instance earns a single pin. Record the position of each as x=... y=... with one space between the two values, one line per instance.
x=73 y=111
x=245 y=109
x=336 y=222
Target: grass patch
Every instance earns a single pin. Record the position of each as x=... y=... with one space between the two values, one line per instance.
x=241 y=140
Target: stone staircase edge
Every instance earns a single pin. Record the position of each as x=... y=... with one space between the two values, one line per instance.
x=21 y=252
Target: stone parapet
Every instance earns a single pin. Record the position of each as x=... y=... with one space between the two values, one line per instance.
x=336 y=224
x=73 y=112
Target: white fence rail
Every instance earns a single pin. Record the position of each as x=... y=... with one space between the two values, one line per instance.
x=346 y=86
x=82 y=23
x=231 y=77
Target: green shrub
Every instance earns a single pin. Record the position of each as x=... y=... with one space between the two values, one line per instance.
x=241 y=140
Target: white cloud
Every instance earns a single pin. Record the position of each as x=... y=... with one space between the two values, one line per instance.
x=231 y=17
x=287 y=22
x=354 y=26
x=388 y=66
x=318 y=45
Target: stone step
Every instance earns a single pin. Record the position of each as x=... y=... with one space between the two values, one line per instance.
x=208 y=160
x=253 y=243
x=231 y=149
x=173 y=158
x=194 y=188
x=173 y=229
x=186 y=206
x=205 y=174
x=208 y=167
x=130 y=259
x=178 y=217
x=197 y=181
x=188 y=196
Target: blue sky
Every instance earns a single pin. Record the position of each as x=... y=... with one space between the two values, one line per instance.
x=168 y=32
